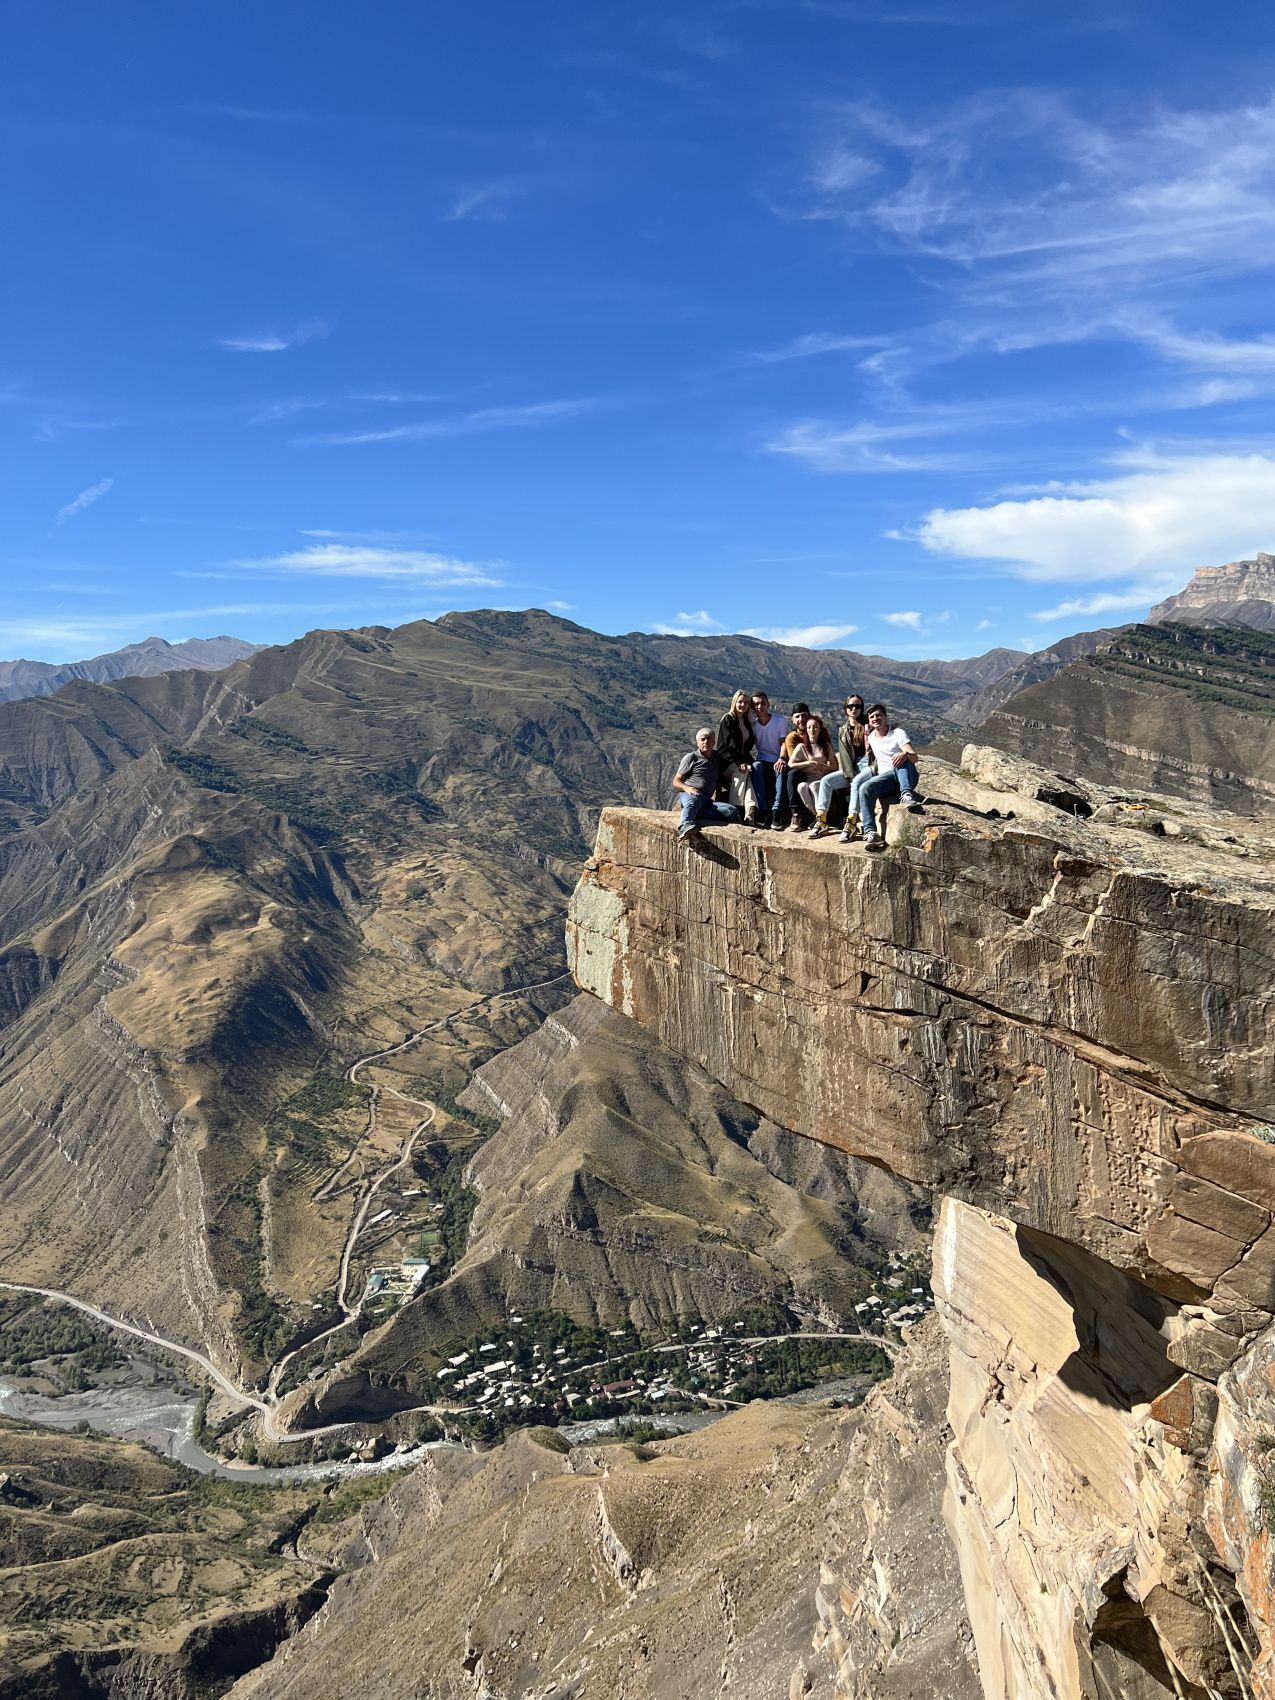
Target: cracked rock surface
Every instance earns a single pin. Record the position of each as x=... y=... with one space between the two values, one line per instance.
x=1062 y=1022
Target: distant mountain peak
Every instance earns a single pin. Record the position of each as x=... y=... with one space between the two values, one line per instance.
x=1241 y=593
x=135 y=660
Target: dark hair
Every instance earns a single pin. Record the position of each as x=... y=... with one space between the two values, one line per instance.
x=759 y=693
x=802 y=708
x=825 y=741
x=878 y=708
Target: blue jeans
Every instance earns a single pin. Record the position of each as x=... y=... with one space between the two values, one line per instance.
x=832 y=783
x=768 y=787
x=857 y=784
x=884 y=788
x=699 y=810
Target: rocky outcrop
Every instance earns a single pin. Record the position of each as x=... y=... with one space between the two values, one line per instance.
x=1241 y=593
x=208 y=1660
x=1063 y=1026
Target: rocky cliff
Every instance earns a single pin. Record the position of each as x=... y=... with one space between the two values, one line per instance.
x=1052 y=1005
x=1241 y=593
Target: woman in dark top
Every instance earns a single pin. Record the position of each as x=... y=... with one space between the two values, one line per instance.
x=736 y=742
x=852 y=760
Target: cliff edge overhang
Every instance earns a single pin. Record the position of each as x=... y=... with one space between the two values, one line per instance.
x=1054 y=1006
x=1068 y=1021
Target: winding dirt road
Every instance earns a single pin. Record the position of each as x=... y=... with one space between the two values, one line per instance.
x=266 y=1406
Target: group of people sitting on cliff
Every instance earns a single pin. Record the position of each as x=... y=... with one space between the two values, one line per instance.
x=788 y=771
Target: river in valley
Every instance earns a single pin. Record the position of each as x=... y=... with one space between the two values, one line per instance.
x=157 y=1412
x=145 y=1404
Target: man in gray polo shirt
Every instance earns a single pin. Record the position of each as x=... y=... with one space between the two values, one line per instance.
x=696 y=779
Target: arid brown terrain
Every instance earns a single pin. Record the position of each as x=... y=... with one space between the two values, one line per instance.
x=220 y=891
x=284 y=1000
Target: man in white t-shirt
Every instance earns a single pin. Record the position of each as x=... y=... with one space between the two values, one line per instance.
x=896 y=777
x=770 y=730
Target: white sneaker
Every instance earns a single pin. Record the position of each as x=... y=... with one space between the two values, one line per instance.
x=911 y=801
x=873 y=842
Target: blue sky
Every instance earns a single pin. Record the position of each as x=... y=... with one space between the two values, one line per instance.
x=913 y=327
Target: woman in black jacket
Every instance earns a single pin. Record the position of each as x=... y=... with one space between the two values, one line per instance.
x=736 y=742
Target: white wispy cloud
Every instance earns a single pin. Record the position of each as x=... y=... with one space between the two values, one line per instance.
x=1021 y=182
x=561 y=607
x=816 y=342
x=838 y=169
x=75 y=636
x=689 y=625
x=378 y=536
x=1207 y=350
x=85 y=499
x=470 y=424
x=1153 y=524
x=1106 y=602
x=905 y=435
x=1044 y=227
x=883 y=445
x=286 y=407
x=365 y=561
x=276 y=341
x=396 y=398
x=485 y=203
x=53 y=426
x=802 y=637
x=911 y=617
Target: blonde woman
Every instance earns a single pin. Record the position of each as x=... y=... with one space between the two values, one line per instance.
x=736 y=743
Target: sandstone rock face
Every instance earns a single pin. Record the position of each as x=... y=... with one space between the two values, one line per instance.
x=1065 y=1028
x=1242 y=592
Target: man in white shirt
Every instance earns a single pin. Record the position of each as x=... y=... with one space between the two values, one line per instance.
x=896 y=776
x=770 y=730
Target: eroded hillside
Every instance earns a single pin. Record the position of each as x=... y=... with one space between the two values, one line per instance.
x=223 y=890
x=1176 y=710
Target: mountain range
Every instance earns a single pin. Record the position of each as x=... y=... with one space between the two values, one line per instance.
x=134 y=661
x=254 y=920
x=218 y=887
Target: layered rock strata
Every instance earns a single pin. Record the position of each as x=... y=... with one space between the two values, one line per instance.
x=1064 y=1026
